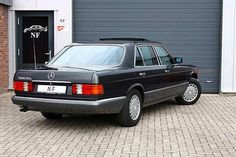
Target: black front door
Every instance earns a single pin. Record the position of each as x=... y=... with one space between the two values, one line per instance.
x=34 y=38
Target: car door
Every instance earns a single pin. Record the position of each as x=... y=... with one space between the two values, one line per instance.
x=150 y=72
x=176 y=76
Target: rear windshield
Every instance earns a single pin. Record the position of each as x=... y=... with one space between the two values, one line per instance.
x=89 y=56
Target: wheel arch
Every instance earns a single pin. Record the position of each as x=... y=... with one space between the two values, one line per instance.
x=140 y=88
x=194 y=75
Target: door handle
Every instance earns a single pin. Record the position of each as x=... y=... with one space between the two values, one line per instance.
x=49 y=54
x=142 y=74
x=167 y=70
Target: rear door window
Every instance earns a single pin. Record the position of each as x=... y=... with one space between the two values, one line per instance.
x=139 y=60
x=148 y=55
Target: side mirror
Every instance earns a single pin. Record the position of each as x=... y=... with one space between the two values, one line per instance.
x=178 y=60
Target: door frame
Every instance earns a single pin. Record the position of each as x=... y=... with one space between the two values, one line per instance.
x=18 y=29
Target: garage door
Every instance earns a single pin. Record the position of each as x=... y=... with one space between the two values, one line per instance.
x=190 y=28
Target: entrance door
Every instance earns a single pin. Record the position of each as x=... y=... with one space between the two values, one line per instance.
x=34 y=38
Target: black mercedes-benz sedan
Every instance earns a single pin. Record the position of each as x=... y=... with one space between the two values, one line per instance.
x=111 y=76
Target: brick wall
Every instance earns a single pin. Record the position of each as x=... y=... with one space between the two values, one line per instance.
x=3 y=48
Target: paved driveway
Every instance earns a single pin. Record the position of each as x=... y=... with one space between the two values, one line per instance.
x=205 y=129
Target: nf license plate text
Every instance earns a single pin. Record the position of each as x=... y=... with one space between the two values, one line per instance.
x=51 y=89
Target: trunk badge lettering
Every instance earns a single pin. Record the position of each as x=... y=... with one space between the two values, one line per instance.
x=51 y=75
x=27 y=78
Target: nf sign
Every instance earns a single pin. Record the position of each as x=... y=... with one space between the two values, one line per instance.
x=35 y=30
x=35 y=35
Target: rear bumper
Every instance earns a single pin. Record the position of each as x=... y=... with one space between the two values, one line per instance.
x=104 y=106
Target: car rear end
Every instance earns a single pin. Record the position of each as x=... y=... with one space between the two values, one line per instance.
x=61 y=83
x=65 y=87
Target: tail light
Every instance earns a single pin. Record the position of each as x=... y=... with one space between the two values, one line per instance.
x=23 y=86
x=87 y=89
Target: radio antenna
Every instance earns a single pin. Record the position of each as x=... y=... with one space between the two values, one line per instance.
x=35 y=59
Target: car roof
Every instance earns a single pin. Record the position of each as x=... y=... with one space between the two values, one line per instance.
x=119 y=41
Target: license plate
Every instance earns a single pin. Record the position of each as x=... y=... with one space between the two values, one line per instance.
x=51 y=89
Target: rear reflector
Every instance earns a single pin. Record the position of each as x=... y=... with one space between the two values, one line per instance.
x=23 y=86
x=87 y=89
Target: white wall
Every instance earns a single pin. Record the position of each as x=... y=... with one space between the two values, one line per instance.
x=228 y=59
x=62 y=10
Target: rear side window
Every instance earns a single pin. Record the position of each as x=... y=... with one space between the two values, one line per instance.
x=148 y=55
x=164 y=56
x=139 y=60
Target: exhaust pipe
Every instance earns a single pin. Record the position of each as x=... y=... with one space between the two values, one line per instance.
x=23 y=108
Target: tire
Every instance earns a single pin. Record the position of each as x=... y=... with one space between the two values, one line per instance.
x=191 y=94
x=133 y=102
x=51 y=115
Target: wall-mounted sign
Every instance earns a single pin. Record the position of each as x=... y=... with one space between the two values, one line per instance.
x=35 y=30
x=60 y=28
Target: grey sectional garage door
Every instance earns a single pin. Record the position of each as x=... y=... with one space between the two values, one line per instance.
x=190 y=28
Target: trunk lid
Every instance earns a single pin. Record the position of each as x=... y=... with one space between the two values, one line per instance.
x=73 y=75
x=60 y=78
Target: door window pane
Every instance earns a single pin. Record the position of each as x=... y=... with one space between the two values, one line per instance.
x=139 y=61
x=148 y=55
x=164 y=56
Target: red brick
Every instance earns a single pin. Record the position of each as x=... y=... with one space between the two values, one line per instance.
x=3 y=48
